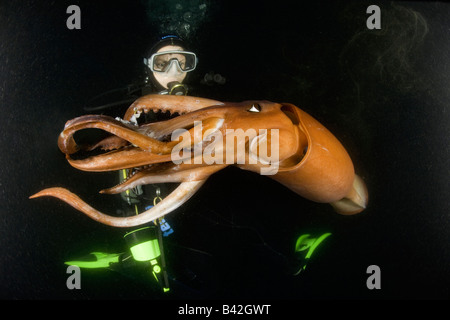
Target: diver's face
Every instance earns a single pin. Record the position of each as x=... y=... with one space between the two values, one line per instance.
x=173 y=72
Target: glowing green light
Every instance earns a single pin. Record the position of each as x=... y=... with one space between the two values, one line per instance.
x=157 y=269
x=102 y=260
x=146 y=251
x=304 y=242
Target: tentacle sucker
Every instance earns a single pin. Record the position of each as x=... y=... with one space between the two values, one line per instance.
x=171 y=103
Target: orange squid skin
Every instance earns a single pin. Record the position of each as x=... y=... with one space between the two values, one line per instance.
x=325 y=173
x=312 y=163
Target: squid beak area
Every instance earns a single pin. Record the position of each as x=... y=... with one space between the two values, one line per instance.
x=149 y=167
x=137 y=146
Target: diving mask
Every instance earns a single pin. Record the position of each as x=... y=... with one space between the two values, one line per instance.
x=162 y=61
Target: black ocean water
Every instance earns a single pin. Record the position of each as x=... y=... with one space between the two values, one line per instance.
x=384 y=93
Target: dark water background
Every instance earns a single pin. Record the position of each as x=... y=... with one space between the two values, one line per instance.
x=384 y=93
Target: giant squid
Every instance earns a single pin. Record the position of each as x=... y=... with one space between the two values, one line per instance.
x=309 y=160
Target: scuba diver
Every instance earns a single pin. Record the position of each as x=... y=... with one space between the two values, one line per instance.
x=167 y=65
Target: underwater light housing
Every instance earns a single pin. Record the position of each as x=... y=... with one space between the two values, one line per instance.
x=145 y=247
x=143 y=244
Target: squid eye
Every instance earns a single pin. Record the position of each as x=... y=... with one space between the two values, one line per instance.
x=255 y=108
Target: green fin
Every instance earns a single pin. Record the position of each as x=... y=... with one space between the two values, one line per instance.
x=95 y=260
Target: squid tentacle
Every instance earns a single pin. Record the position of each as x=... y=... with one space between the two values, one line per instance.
x=174 y=200
x=172 y=175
